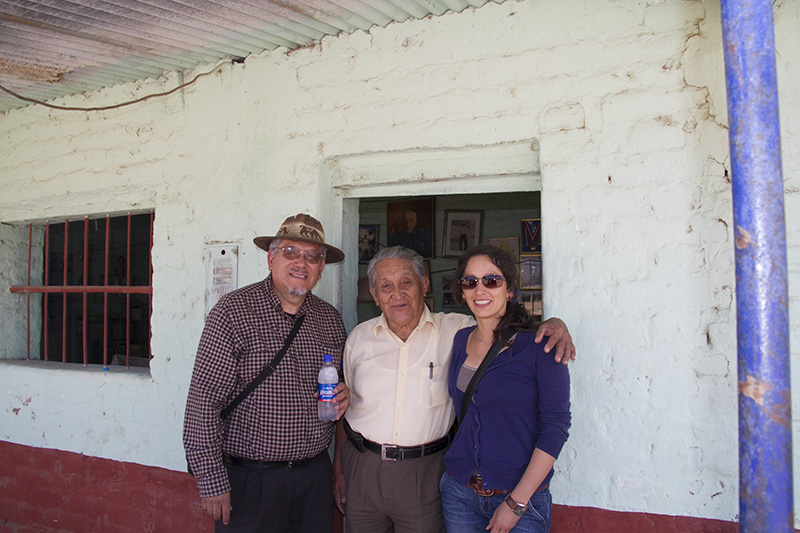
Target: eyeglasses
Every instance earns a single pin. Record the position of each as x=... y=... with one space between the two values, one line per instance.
x=492 y=281
x=291 y=253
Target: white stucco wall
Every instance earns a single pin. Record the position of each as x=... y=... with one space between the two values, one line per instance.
x=626 y=101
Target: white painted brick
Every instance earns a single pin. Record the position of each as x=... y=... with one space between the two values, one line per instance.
x=561 y=118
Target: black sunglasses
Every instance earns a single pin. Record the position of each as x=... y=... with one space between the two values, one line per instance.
x=492 y=281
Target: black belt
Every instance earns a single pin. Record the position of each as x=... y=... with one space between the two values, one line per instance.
x=251 y=463
x=392 y=452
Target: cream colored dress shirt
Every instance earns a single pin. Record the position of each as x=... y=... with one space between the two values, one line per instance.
x=398 y=390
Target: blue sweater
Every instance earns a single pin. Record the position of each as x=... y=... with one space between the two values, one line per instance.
x=521 y=403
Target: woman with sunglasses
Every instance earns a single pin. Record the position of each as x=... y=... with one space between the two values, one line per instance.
x=501 y=460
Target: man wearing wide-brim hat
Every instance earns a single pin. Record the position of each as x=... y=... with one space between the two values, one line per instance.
x=265 y=465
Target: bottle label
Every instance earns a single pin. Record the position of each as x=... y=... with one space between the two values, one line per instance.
x=325 y=390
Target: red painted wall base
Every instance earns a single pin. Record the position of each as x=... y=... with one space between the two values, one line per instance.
x=45 y=490
x=48 y=491
x=589 y=519
x=52 y=491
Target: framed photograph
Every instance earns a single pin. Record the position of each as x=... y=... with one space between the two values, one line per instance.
x=462 y=229
x=532 y=302
x=364 y=296
x=530 y=272
x=367 y=242
x=410 y=224
x=509 y=244
x=531 y=236
x=538 y=312
x=526 y=299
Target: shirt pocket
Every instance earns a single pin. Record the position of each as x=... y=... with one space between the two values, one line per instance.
x=433 y=386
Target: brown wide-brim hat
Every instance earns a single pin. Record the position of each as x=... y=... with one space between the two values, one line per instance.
x=306 y=228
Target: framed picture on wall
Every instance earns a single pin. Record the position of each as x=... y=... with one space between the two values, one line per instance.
x=410 y=224
x=532 y=301
x=509 y=244
x=530 y=272
x=531 y=236
x=462 y=229
x=367 y=242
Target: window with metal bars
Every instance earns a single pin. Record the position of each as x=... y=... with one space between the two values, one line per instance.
x=93 y=296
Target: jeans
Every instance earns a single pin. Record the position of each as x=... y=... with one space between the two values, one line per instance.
x=466 y=512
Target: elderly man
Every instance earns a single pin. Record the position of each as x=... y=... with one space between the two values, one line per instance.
x=265 y=467
x=388 y=458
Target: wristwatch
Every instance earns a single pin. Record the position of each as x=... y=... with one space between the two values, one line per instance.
x=518 y=509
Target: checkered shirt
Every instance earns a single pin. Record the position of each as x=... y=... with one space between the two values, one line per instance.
x=278 y=421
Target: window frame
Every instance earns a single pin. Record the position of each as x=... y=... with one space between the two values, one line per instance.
x=85 y=289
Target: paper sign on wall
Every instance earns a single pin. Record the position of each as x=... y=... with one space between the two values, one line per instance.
x=222 y=267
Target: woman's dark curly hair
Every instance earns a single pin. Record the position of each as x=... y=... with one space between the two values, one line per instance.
x=516 y=317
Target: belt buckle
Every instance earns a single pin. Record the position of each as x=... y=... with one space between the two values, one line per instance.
x=479 y=490
x=384 y=448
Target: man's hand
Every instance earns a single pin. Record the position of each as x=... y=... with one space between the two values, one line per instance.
x=218 y=507
x=339 y=483
x=559 y=337
x=339 y=490
x=342 y=399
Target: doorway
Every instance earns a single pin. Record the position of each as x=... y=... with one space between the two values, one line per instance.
x=496 y=218
x=486 y=178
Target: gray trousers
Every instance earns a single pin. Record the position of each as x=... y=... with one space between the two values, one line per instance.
x=392 y=496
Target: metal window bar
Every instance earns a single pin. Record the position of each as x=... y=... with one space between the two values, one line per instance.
x=46 y=282
x=105 y=294
x=128 y=296
x=85 y=284
x=28 y=295
x=64 y=296
x=85 y=289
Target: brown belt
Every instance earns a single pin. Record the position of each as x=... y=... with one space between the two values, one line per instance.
x=476 y=484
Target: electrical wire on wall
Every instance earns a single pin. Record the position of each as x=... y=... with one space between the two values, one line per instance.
x=123 y=104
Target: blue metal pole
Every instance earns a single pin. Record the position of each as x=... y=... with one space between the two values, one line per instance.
x=765 y=417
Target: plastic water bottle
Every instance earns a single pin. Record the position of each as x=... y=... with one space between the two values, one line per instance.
x=326 y=381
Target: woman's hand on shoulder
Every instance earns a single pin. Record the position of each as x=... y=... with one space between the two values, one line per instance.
x=559 y=337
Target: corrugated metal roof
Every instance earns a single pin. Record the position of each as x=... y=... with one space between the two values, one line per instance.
x=54 y=48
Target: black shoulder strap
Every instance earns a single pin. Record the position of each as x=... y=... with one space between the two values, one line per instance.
x=496 y=348
x=267 y=370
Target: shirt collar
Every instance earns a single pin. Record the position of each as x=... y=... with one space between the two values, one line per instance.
x=426 y=318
